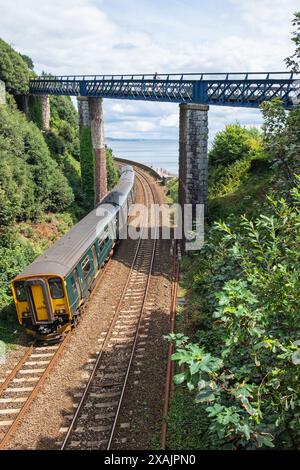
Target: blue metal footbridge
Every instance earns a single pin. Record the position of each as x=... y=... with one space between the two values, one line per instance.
x=223 y=89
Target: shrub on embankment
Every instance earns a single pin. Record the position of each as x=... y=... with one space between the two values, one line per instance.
x=40 y=178
x=237 y=337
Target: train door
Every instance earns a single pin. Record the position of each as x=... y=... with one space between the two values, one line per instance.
x=78 y=286
x=75 y=293
x=38 y=296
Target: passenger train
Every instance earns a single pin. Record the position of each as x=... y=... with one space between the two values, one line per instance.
x=50 y=293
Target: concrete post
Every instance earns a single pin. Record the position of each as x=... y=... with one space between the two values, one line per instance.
x=97 y=133
x=2 y=93
x=45 y=104
x=193 y=161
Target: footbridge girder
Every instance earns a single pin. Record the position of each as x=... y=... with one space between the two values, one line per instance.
x=229 y=89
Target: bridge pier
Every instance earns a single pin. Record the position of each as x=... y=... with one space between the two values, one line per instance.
x=92 y=148
x=193 y=138
x=97 y=132
x=45 y=110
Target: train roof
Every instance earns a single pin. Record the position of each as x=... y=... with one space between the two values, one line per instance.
x=64 y=254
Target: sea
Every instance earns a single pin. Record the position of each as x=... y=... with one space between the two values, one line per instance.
x=159 y=154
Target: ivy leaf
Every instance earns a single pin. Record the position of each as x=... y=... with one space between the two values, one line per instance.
x=202 y=384
x=205 y=396
x=179 y=378
x=245 y=429
x=214 y=410
x=194 y=368
x=265 y=440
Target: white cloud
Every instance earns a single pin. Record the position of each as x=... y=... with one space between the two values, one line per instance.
x=84 y=36
x=171 y=120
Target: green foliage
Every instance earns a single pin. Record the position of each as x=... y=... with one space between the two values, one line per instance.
x=87 y=166
x=293 y=62
x=35 y=110
x=226 y=181
x=28 y=61
x=232 y=185
x=14 y=70
x=172 y=186
x=244 y=368
x=15 y=255
x=234 y=143
x=281 y=138
x=63 y=109
x=112 y=171
x=230 y=158
x=187 y=424
x=30 y=181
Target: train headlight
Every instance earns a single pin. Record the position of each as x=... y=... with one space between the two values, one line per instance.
x=60 y=312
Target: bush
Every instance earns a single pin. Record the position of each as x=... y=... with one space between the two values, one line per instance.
x=15 y=255
x=30 y=181
x=112 y=170
x=14 y=70
x=172 y=186
x=234 y=143
x=244 y=367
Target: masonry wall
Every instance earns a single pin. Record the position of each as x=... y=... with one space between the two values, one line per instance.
x=193 y=161
x=92 y=149
x=45 y=104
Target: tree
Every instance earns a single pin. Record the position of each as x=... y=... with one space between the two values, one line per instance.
x=14 y=70
x=234 y=143
x=281 y=137
x=293 y=62
x=28 y=61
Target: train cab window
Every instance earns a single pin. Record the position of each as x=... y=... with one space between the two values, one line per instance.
x=20 y=291
x=56 y=288
x=86 y=266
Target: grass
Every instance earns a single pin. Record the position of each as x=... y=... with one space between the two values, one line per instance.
x=187 y=424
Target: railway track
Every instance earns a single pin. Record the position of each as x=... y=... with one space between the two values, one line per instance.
x=95 y=420
x=22 y=385
x=94 y=423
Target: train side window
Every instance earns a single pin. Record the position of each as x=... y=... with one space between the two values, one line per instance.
x=56 y=288
x=86 y=266
x=101 y=245
x=74 y=286
x=20 y=291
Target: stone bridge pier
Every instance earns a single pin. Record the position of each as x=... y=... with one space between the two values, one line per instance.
x=45 y=111
x=193 y=139
x=92 y=120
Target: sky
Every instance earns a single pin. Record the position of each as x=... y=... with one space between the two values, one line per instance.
x=147 y=36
